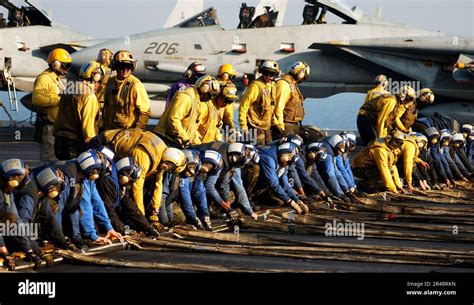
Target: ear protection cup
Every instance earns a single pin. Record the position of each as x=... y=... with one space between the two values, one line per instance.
x=205 y=88
x=124 y=180
x=13 y=183
x=56 y=65
x=53 y=194
x=97 y=77
x=302 y=74
x=188 y=73
x=285 y=157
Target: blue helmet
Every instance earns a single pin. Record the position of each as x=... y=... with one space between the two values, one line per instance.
x=13 y=167
x=288 y=152
x=295 y=139
x=127 y=170
x=90 y=164
x=316 y=151
x=49 y=182
x=238 y=154
x=193 y=162
x=211 y=160
x=338 y=143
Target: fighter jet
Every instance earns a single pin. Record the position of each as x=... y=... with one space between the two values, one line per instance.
x=28 y=34
x=345 y=57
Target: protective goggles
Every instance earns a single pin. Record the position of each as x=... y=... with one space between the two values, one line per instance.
x=191 y=169
x=66 y=65
x=270 y=74
x=124 y=66
x=199 y=69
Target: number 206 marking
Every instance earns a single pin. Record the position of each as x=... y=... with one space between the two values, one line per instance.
x=161 y=48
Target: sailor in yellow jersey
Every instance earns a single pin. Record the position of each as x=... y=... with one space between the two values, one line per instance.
x=153 y=157
x=126 y=102
x=226 y=75
x=257 y=106
x=105 y=59
x=46 y=94
x=376 y=163
x=409 y=154
x=179 y=124
x=381 y=83
x=407 y=111
x=78 y=115
x=289 y=111
x=212 y=114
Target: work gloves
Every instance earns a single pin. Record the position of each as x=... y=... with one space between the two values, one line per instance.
x=233 y=216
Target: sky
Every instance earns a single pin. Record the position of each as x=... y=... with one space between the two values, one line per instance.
x=115 y=18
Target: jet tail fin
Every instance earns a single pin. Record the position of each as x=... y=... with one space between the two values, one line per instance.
x=182 y=11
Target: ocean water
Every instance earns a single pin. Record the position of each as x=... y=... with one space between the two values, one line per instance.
x=335 y=112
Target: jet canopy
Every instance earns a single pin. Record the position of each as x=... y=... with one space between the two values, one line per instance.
x=207 y=17
x=350 y=14
x=22 y=16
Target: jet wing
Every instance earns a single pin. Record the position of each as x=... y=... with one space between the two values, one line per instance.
x=398 y=58
x=439 y=49
x=360 y=58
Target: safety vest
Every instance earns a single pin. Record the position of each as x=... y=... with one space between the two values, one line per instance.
x=374 y=93
x=264 y=107
x=69 y=124
x=119 y=107
x=29 y=189
x=294 y=108
x=103 y=85
x=392 y=154
x=372 y=108
x=410 y=116
x=208 y=129
x=125 y=141
x=189 y=123
x=75 y=184
x=49 y=114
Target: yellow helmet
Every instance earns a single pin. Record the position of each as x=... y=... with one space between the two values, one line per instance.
x=301 y=70
x=60 y=55
x=208 y=84
x=229 y=93
x=105 y=57
x=407 y=93
x=426 y=95
x=270 y=66
x=227 y=68
x=380 y=80
x=124 y=57
x=91 y=71
x=396 y=138
x=174 y=159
